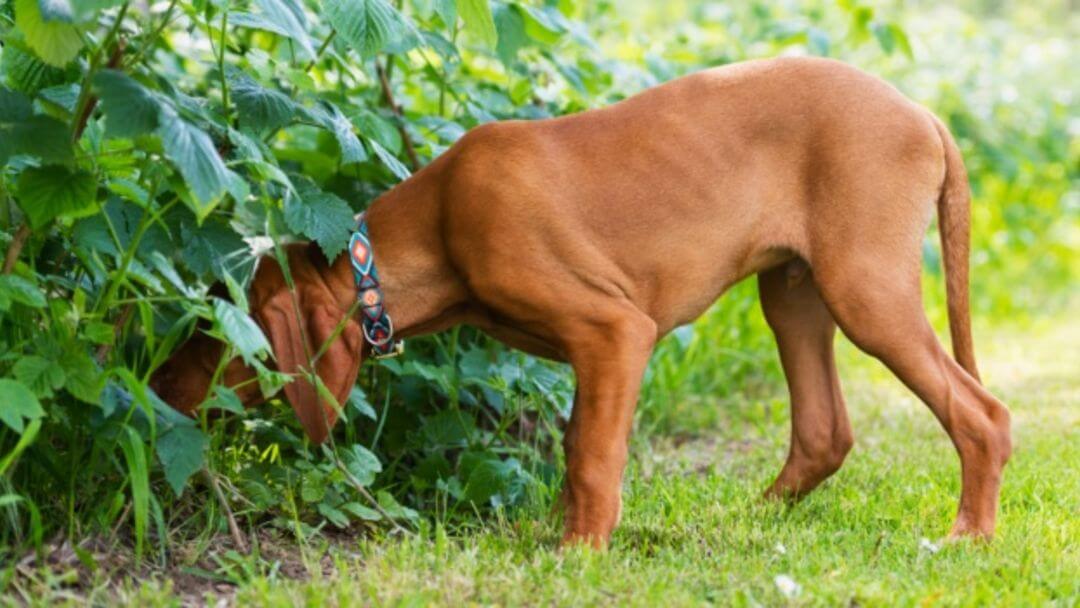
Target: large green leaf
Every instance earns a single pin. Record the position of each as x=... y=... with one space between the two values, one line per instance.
x=130 y=109
x=478 y=20
x=320 y=216
x=55 y=41
x=260 y=107
x=211 y=248
x=17 y=402
x=25 y=72
x=14 y=288
x=367 y=25
x=23 y=132
x=48 y=192
x=287 y=16
x=194 y=154
x=243 y=333
x=330 y=117
x=182 y=452
x=511 y=27
x=40 y=375
x=362 y=464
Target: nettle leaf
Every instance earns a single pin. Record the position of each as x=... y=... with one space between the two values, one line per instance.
x=23 y=132
x=260 y=107
x=14 y=288
x=478 y=20
x=287 y=16
x=510 y=25
x=367 y=25
x=25 y=72
x=320 y=216
x=194 y=154
x=17 y=402
x=396 y=166
x=48 y=192
x=358 y=401
x=330 y=117
x=130 y=109
x=182 y=452
x=242 y=332
x=55 y=41
x=362 y=464
x=84 y=379
x=41 y=375
x=210 y=248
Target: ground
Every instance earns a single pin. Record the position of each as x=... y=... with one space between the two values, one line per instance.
x=695 y=530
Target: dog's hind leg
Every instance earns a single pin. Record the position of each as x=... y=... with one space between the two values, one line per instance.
x=804 y=329
x=873 y=289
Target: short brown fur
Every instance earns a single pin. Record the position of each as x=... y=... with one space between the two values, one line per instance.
x=586 y=238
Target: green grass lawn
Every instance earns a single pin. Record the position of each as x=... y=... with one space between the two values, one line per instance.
x=695 y=531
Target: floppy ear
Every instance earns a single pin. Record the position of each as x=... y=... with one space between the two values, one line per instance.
x=295 y=335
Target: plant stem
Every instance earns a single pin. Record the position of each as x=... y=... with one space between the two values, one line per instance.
x=322 y=47
x=16 y=246
x=388 y=96
x=234 y=529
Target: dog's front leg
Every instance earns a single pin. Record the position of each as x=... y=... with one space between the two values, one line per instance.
x=609 y=360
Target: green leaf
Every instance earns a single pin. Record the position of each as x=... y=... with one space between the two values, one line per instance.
x=17 y=289
x=52 y=191
x=25 y=72
x=478 y=20
x=17 y=402
x=22 y=132
x=447 y=11
x=130 y=109
x=288 y=17
x=182 y=452
x=41 y=375
x=320 y=216
x=225 y=399
x=211 y=247
x=359 y=402
x=330 y=117
x=260 y=108
x=362 y=464
x=84 y=379
x=367 y=25
x=511 y=27
x=55 y=42
x=194 y=154
x=242 y=332
x=396 y=166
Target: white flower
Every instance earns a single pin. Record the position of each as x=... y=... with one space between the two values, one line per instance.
x=781 y=549
x=925 y=544
x=787 y=586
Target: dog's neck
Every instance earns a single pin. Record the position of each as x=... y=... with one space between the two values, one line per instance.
x=419 y=286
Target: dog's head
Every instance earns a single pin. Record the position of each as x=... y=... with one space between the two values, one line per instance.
x=300 y=324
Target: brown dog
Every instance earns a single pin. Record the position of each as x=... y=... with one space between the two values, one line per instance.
x=588 y=237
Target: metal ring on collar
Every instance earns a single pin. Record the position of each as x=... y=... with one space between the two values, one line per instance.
x=389 y=333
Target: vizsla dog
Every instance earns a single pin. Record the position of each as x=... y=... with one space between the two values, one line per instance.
x=587 y=238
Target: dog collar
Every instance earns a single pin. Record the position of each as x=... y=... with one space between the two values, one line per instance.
x=377 y=327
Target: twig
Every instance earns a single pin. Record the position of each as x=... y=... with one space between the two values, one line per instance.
x=234 y=529
x=388 y=95
x=322 y=48
x=16 y=246
x=125 y=314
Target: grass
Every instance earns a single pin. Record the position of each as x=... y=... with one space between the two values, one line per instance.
x=695 y=531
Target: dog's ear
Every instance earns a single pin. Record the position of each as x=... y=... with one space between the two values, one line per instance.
x=301 y=329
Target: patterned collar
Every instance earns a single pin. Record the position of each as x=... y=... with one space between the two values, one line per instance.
x=376 y=323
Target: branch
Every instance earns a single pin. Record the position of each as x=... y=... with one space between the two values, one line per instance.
x=388 y=96
x=16 y=246
x=234 y=529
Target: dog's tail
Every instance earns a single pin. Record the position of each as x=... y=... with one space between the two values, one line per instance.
x=954 y=224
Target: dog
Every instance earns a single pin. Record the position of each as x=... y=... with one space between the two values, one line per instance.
x=588 y=237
